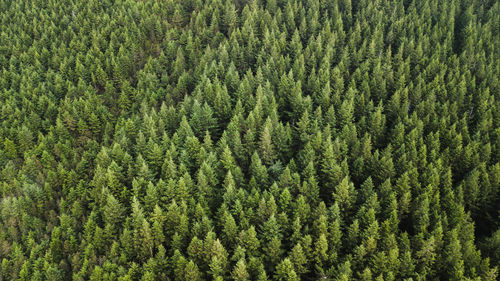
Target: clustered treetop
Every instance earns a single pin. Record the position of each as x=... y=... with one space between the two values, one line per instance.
x=249 y=140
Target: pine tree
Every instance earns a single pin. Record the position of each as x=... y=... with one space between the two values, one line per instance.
x=192 y=272
x=218 y=262
x=113 y=212
x=299 y=260
x=240 y=272
x=266 y=145
x=344 y=194
x=285 y=271
x=453 y=257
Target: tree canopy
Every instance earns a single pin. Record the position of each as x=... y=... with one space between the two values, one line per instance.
x=249 y=140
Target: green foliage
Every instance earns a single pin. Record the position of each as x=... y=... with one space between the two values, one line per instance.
x=249 y=140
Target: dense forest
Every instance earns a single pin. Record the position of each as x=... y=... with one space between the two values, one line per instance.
x=249 y=140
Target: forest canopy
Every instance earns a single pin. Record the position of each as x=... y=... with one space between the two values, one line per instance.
x=249 y=140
